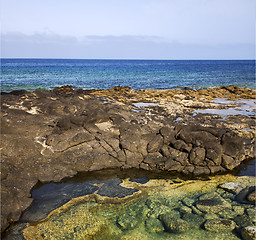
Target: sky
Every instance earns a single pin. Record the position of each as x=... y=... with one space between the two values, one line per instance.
x=134 y=29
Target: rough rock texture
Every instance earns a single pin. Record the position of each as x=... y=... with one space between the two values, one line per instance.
x=49 y=135
x=219 y=225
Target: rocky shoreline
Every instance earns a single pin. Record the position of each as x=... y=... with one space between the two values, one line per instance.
x=49 y=135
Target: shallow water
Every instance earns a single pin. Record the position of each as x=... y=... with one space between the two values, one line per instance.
x=129 y=192
x=142 y=216
x=239 y=107
x=144 y=104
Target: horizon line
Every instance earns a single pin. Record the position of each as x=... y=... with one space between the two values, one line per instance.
x=133 y=59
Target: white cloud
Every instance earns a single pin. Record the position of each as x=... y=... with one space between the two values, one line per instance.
x=49 y=45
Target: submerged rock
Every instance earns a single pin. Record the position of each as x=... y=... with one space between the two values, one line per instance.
x=127 y=221
x=219 y=225
x=154 y=225
x=212 y=203
x=173 y=224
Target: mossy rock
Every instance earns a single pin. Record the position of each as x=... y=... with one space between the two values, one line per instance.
x=162 y=209
x=127 y=221
x=243 y=221
x=219 y=225
x=154 y=225
x=173 y=224
x=212 y=203
x=194 y=220
x=227 y=213
x=185 y=209
x=188 y=201
x=251 y=212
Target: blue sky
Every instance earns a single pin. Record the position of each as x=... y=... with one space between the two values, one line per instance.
x=134 y=29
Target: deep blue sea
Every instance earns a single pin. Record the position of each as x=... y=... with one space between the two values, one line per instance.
x=31 y=74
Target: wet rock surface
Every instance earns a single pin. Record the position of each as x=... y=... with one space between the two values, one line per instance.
x=49 y=135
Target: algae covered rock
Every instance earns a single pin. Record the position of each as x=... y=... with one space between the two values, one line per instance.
x=154 y=225
x=219 y=225
x=194 y=220
x=173 y=224
x=127 y=221
x=243 y=220
x=251 y=212
x=212 y=203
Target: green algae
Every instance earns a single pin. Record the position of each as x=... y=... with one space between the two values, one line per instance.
x=161 y=209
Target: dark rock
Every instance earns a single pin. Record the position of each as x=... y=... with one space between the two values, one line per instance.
x=232 y=144
x=242 y=196
x=18 y=92
x=229 y=162
x=181 y=145
x=153 y=160
x=64 y=124
x=155 y=143
x=168 y=134
x=197 y=156
x=198 y=170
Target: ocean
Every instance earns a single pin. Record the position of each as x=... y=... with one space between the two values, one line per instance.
x=31 y=74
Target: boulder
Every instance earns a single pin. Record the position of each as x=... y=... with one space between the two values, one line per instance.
x=212 y=203
x=154 y=225
x=172 y=224
x=219 y=225
x=127 y=221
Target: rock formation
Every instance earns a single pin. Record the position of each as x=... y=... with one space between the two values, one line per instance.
x=49 y=135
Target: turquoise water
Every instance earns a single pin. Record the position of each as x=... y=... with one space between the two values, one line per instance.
x=31 y=74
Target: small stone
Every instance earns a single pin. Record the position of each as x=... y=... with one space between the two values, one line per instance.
x=219 y=225
x=185 y=209
x=249 y=233
x=154 y=225
x=173 y=224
